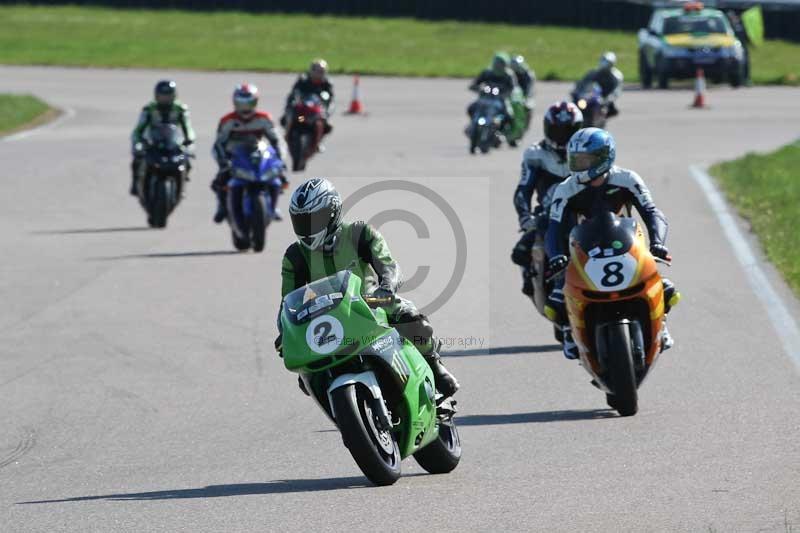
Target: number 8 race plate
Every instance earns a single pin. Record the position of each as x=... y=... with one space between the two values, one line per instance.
x=611 y=273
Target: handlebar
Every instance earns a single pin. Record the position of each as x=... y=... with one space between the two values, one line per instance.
x=374 y=301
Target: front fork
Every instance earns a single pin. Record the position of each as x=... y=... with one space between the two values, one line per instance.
x=370 y=382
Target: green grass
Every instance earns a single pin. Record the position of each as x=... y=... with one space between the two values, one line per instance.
x=87 y=36
x=766 y=190
x=18 y=110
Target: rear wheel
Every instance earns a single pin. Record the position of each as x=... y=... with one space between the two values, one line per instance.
x=374 y=450
x=240 y=243
x=442 y=455
x=619 y=364
x=258 y=223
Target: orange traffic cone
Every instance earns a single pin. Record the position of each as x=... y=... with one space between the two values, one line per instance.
x=355 y=104
x=699 y=89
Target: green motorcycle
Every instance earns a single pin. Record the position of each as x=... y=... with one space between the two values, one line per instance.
x=521 y=117
x=371 y=382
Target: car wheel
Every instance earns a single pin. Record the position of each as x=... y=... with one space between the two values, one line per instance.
x=645 y=74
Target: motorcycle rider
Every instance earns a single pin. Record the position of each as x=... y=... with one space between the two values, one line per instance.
x=245 y=125
x=544 y=165
x=596 y=185
x=608 y=77
x=325 y=244
x=497 y=75
x=164 y=109
x=524 y=75
x=315 y=81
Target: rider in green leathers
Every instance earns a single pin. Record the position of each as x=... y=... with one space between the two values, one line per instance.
x=500 y=75
x=325 y=244
x=164 y=109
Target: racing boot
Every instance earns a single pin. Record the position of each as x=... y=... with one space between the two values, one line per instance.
x=527 y=282
x=134 y=177
x=446 y=383
x=671 y=295
x=222 y=211
x=666 y=339
x=570 y=348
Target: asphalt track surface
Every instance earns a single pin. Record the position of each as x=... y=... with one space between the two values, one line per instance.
x=140 y=391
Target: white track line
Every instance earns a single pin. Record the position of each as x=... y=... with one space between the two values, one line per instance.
x=66 y=114
x=780 y=316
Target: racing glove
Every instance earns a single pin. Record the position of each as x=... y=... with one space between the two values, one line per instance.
x=660 y=251
x=382 y=293
x=557 y=265
x=527 y=223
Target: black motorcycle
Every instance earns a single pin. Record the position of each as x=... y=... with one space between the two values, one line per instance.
x=486 y=119
x=167 y=169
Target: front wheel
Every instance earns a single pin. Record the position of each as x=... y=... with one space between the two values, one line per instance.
x=159 y=204
x=258 y=223
x=298 y=146
x=374 y=450
x=619 y=363
x=645 y=74
x=663 y=74
x=735 y=77
x=442 y=455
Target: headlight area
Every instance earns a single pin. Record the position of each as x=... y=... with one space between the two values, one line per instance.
x=732 y=52
x=675 y=52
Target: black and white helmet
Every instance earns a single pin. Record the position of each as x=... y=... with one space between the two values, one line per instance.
x=316 y=211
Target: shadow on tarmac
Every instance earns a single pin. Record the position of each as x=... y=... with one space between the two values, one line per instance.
x=532 y=418
x=503 y=350
x=282 y=486
x=168 y=255
x=80 y=231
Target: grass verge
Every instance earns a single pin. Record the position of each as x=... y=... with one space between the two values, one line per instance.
x=18 y=111
x=766 y=190
x=92 y=36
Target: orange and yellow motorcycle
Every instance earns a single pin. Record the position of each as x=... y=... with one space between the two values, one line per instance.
x=615 y=305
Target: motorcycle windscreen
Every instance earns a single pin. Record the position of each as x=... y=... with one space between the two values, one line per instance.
x=306 y=303
x=165 y=137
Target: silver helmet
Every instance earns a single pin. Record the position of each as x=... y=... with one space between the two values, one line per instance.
x=316 y=211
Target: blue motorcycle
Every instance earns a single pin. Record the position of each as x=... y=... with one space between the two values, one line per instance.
x=256 y=181
x=589 y=99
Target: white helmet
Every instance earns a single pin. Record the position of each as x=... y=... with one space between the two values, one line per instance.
x=316 y=211
x=608 y=60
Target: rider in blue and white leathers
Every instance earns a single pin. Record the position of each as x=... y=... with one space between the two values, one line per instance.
x=544 y=166
x=596 y=185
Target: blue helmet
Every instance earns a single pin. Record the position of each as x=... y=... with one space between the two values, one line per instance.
x=591 y=153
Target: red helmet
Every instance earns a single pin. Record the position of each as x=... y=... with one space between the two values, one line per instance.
x=245 y=99
x=560 y=122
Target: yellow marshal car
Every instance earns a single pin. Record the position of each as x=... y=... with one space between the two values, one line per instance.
x=680 y=40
